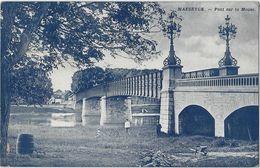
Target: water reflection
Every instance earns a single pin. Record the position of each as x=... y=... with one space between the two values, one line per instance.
x=63 y=120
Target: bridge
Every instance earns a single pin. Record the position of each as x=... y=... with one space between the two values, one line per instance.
x=213 y=102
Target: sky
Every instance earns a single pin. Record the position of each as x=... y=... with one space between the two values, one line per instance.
x=199 y=46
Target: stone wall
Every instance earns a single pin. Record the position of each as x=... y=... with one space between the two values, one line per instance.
x=145 y=120
x=145 y=111
x=144 y=100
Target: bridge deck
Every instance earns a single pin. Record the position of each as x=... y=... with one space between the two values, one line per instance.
x=150 y=85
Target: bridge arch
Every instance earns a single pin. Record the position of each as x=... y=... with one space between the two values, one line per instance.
x=196 y=120
x=243 y=123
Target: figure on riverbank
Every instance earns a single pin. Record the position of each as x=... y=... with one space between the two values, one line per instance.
x=127 y=126
x=158 y=130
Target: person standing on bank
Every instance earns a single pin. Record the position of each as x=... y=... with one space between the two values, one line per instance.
x=127 y=126
x=158 y=130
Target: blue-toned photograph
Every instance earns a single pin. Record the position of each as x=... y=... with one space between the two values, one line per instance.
x=129 y=84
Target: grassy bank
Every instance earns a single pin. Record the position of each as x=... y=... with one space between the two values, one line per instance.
x=80 y=146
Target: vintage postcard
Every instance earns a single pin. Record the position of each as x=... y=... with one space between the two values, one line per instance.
x=130 y=84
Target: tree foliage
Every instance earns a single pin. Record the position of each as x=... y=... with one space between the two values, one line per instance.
x=31 y=86
x=88 y=78
x=121 y=73
x=81 y=33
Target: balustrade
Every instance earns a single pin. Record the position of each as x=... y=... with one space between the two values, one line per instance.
x=143 y=85
x=154 y=76
x=159 y=84
x=235 y=80
x=134 y=85
x=150 y=85
x=201 y=73
x=139 y=86
x=146 y=86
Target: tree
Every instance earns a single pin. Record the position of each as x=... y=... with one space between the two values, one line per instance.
x=32 y=86
x=122 y=73
x=89 y=77
x=50 y=33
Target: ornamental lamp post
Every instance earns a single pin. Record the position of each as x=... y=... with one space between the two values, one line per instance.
x=228 y=64
x=172 y=30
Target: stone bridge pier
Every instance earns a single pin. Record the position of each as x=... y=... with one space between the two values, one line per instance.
x=91 y=111
x=78 y=105
x=115 y=110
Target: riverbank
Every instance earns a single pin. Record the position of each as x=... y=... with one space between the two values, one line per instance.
x=112 y=147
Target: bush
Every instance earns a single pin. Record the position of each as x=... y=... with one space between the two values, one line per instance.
x=234 y=144
x=219 y=143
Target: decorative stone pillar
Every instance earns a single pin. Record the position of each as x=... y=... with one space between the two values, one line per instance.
x=103 y=111
x=172 y=70
x=167 y=114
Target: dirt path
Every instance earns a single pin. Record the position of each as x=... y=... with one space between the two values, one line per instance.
x=213 y=155
x=235 y=154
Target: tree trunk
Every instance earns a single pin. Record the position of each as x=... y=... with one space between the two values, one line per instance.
x=5 y=112
x=9 y=11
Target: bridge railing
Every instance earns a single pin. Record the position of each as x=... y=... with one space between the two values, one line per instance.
x=201 y=73
x=219 y=81
x=96 y=91
x=148 y=85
